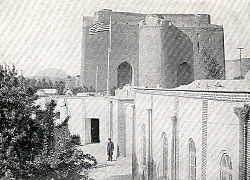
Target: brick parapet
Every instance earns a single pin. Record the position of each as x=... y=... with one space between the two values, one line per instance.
x=209 y=95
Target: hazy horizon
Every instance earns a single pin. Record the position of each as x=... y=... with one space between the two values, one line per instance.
x=39 y=34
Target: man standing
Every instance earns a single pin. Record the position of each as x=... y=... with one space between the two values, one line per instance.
x=110 y=149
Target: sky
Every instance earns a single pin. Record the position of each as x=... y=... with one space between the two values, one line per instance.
x=42 y=34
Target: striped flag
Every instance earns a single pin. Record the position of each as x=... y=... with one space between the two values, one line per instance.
x=99 y=27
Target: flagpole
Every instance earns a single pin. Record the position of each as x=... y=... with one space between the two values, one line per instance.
x=96 y=79
x=109 y=51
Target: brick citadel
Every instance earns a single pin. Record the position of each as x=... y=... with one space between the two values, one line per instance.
x=152 y=49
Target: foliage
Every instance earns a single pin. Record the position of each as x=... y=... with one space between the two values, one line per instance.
x=60 y=86
x=79 y=90
x=18 y=131
x=28 y=145
x=213 y=68
x=75 y=139
x=33 y=85
x=83 y=89
x=91 y=89
x=64 y=163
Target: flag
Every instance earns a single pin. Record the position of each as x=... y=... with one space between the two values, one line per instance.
x=99 y=27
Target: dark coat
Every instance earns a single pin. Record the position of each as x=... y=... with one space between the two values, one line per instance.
x=110 y=147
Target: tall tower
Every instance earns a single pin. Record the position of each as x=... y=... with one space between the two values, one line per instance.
x=163 y=49
x=124 y=53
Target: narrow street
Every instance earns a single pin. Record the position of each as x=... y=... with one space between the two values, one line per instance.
x=119 y=169
x=115 y=170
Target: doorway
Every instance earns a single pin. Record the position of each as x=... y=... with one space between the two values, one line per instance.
x=95 y=131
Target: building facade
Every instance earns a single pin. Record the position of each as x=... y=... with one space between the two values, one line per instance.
x=197 y=131
x=151 y=49
x=191 y=134
x=95 y=119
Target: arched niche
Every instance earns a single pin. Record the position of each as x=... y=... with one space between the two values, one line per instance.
x=184 y=74
x=124 y=74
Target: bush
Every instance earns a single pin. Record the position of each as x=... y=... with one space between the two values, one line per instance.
x=75 y=139
x=67 y=164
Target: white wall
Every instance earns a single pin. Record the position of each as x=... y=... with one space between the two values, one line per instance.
x=162 y=111
x=222 y=129
x=190 y=124
x=129 y=127
x=115 y=126
x=142 y=102
x=97 y=107
x=77 y=117
x=82 y=108
x=223 y=135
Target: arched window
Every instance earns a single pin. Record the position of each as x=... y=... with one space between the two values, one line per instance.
x=144 y=144
x=192 y=160
x=164 y=155
x=225 y=168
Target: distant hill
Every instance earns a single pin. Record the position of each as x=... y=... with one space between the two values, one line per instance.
x=52 y=74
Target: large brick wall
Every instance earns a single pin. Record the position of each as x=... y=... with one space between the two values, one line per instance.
x=160 y=44
x=162 y=49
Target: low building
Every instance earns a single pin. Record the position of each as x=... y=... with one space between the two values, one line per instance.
x=46 y=92
x=196 y=131
x=95 y=119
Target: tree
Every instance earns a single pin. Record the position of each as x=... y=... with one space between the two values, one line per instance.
x=44 y=83
x=50 y=84
x=60 y=86
x=31 y=86
x=28 y=145
x=18 y=130
x=212 y=67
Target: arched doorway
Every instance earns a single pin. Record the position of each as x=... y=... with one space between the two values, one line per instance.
x=184 y=74
x=124 y=74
